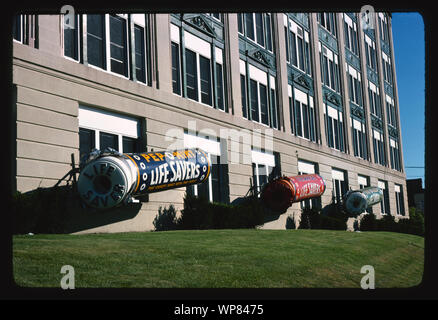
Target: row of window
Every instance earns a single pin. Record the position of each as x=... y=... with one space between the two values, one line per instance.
x=257 y=27
x=199 y=65
x=108 y=43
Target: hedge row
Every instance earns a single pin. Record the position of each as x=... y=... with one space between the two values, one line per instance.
x=413 y=225
x=199 y=213
x=43 y=210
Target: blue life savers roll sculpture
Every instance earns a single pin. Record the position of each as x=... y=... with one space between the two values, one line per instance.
x=357 y=201
x=111 y=178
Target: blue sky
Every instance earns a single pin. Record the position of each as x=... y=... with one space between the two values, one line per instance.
x=409 y=44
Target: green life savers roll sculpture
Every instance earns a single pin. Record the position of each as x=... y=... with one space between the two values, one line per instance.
x=111 y=178
x=357 y=201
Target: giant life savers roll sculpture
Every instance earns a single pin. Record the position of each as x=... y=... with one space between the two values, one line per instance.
x=112 y=178
x=357 y=201
x=279 y=194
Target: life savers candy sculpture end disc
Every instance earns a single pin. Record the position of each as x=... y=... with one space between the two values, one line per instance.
x=357 y=201
x=109 y=180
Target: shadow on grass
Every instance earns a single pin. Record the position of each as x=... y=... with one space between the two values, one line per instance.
x=60 y=210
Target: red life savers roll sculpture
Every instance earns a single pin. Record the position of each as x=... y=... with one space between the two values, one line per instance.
x=279 y=194
x=111 y=178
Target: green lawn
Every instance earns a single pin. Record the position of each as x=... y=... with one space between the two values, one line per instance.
x=220 y=258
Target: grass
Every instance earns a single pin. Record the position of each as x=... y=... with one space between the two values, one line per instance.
x=220 y=258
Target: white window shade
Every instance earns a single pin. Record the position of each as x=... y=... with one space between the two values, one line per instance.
x=397 y=188
x=263 y=158
x=348 y=20
x=306 y=167
x=218 y=55
x=198 y=45
x=258 y=75
x=338 y=175
x=376 y=135
x=242 y=67
x=300 y=96
x=174 y=33
x=102 y=120
x=138 y=19
x=207 y=145
x=362 y=180
x=332 y=112
x=381 y=184
x=357 y=125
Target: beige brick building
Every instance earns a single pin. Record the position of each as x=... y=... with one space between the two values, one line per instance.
x=314 y=92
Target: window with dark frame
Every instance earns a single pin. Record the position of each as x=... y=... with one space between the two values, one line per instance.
x=118 y=45
x=96 y=54
x=71 y=40
x=199 y=74
x=176 y=67
x=191 y=75
x=140 y=56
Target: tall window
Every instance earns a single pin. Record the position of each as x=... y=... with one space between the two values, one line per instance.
x=359 y=139
x=387 y=68
x=141 y=64
x=307 y=167
x=258 y=102
x=378 y=147
x=101 y=129
x=215 y=188
x=220 y=80
x=201 y=72
x=383 y=27
x=390 y=112
x=176 y=76
x=302 y=114
x=96 y=49
x=340 y=184
x=350 y=30
x=72 y=40
x=18 y=27
x=400 y=204
x=334 y=127
x=257 y=27
x=297 y=46
x=374 y=97
x=329 y=68
x=384 y=204
x=394 y=154
x=354 y=85
x=118 y=45
x=328 y=21
x=262 y=165
x=24 y=28
x=370 y=53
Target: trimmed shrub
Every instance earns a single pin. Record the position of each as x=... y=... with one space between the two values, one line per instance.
x=166 y=219
x=290 y=222
x=310 y=219
x=368 y=222
x=43 y=210
x=413 y=225
x=199 y=213
x=331 y=219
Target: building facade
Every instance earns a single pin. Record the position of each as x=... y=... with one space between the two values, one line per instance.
x=298 y=92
